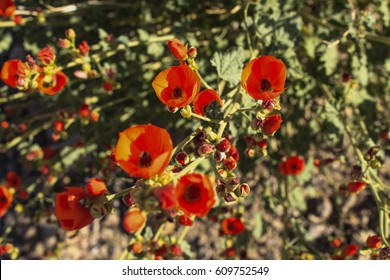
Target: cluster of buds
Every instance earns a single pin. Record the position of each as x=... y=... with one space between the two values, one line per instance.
x=181 y=51
x=86 y=114
x=165 y=251
x=256 y=146
x=372 y=159
x=110 y=84
x=80 y=54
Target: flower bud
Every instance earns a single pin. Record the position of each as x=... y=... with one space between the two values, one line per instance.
x=384 y=254
x=177 y=48
x=70 y=34
x=59 y=126
x=355 y=187
x=182 y=158
x=175 y=250
x=250 y=152
x=262 y=144
x=243 y=190
x=96 y=187
x=219 y=156
x=346 y=77
x=185 y=220
x=250 y=141
x=269 y=104
x=129 y=200
x=186 y=112
x=205 y=149
x=375 y=164
x=192 y=53
x=230 y=198
x=137 y=247
x=374 y=242
x=223 y=145
x=230 y=163
x=256 y=124
x=271 y=124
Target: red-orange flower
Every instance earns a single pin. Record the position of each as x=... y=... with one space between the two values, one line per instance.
x=271 y=124
x=134 y=220
x=195 y=194
x=350 y=250
x=69 y=210
x=96 y=187
x=264 y=77
x=13 y=73
x=176 y=86
x=177 y=48
x=46 y=55
x=57 y=83
x=355 y=187
x=232 y=226
x=295 y=165
x=6 y=199
x=7 y=8
x=13 y=180
x=203 y=99
x=374 y=242
x=143 y=150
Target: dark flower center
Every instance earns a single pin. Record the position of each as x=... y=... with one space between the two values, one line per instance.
x=3 y=200
x=145 y=159
x=294 y=167
x=177 y=92
x=265 y=85
x=192 y=193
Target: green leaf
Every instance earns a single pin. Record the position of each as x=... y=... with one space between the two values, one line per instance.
x=297 y=199
x=258 y=226
x=330 y=59
x=229 y=65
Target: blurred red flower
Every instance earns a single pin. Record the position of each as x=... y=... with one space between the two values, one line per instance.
x=232 y=226
x=56 y=84
x=374 y=242
x=195 y=194
x=264 y=77
x=143 y=150
x=7 y=8
x=69 y=210
x=355 y=187
x=295 y=165
x=13 y=73
x=350 y=250
x=13 y=180
x=134 y=220
x=6 y=198
x=176 y=86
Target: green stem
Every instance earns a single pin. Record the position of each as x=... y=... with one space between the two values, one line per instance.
x=248 y=37
x=119 y=194
x=159 y=231
x=285 y=203
x=192 y=165
x=186 y=140
x=206 y=119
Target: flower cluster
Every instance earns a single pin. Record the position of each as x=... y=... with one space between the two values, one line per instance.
x=44 y=76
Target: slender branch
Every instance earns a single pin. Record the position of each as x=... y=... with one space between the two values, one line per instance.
x=206 y=119
x=202 y=80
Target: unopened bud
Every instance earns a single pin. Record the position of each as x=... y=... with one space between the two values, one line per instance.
x=205 y=149
x=384 y=254
x=256 y=124
x=230 y=198
x=250 y=141
x=70 y=34
x=243 y=191
x=223 y=145
x=219 y=156
x=182 y=158
x=375 y=164
x=186 y=112
x=250 y=152
x=192 y=53
x=230 y=163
